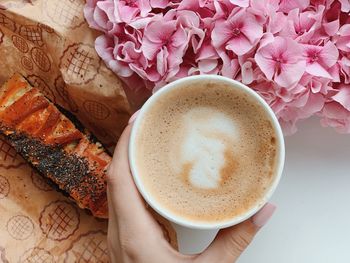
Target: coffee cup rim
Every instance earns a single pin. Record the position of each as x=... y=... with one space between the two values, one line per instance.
x=203 y=225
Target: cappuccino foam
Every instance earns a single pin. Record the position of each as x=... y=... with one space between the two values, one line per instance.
x=206 y=152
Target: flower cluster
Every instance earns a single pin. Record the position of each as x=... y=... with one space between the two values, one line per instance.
x=294 y=53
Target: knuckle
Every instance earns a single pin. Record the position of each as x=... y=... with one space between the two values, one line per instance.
x=130 y=250
x=110 y=176
x=238 y=243
x=109 y=173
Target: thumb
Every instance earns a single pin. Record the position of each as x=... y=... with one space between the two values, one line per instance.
x=231 y=242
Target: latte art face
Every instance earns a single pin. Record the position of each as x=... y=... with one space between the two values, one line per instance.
x=206 y=152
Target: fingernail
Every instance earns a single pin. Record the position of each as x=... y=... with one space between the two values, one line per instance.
x=264 y=215
x=133 y=117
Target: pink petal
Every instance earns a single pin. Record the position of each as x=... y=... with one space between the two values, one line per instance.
x=345 y=5
x=89 y=13
x=108 y=8
x=141 y=23
x=293 y=51
x=162 y=61
x=220 y=34
x=314 y=104
x=241 y=3
x=239 y=45
x=288 y=30
x=197 y=37
x=207 y=65
x=316 y=87
x=266 y=39
x=334 y=72
x=159 y=3
x=91 y=3
x=130 y=52
x=288 y=5
x=151 y=74
x=230 y=65
x=335 y=110
x=100 y=18
x=150 y=49
x=329 y=54
x=119 y=68
x=159 y=31
x=277 y=22
x=317 y=70
x=301 y=101
x=188 y=5
x=169 y=16
x=331 y=28
x=179 y=38
x=174 y=60
x=188 y=18
x=267 y=65
x=343 y=96
x=288 y=127
x=308 y=20
x=274 y=49
x=345 y=30
x=286 y=95
x=344 y=69
x=145 y=7
x=179 y=44
x=207 y=51
x=344 y=44
x=263 y=8
x=127 y=13
x=251 y=28
x=343 y=40
x=305 y=38
x=290 y=74
x=247 y=73
x=104 y=47
x=320 y=85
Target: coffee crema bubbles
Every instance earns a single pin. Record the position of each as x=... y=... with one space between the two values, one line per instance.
x=206 y=153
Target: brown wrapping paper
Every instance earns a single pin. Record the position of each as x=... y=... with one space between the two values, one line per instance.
x=49 y=43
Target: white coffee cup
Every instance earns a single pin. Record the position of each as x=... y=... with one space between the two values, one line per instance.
x=198 y=225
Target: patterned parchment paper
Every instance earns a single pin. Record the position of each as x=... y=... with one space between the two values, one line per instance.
x=49 y=42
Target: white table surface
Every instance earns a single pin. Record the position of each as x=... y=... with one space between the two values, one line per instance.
x=312 y=220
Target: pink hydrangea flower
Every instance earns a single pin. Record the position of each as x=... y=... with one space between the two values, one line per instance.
x=281 y=61
x=343 y=96
x=331 y=19
x=345 y=5
x=344 y=65
x=343 y=38
x=320 y=59
x=165 y=47
x=205 y=8
x=295 y=54
x=336 y=116
x=263 y=9
x=288 y=5
x=97 y=16
x=207 y=58
x=239 y=33
x=241 y=3
x=300 y=26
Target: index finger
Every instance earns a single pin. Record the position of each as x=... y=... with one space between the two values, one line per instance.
x=127 y=204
